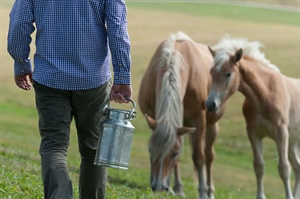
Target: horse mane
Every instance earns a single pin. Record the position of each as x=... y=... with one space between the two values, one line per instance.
x=168 y=107
x=228 y=46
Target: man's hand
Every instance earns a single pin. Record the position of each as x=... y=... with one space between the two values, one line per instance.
x=119 y=92
x=24 y=81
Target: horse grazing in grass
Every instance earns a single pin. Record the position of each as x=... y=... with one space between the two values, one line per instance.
x=172 y=96
x=271 y=107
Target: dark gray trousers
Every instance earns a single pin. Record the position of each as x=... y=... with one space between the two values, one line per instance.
x=56 y=109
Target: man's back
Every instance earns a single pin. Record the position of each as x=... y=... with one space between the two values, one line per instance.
x=72 y=49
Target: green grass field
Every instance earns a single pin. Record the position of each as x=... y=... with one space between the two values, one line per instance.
x=149 y=24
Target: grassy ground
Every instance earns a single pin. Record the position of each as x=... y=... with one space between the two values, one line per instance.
x=149 y=24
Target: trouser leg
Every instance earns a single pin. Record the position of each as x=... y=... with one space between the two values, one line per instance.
x=87 y=107
x=55 y=116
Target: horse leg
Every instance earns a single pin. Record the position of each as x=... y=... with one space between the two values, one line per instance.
x=177 y=181
x=211 y=135
x=198 y=144
x=282 y=141
x=294 y=157
x=258 y=162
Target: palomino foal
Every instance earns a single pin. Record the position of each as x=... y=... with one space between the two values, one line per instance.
x=172 y=94
x=271 y=107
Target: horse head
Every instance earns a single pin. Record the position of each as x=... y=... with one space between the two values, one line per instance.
x=164 y=149
x=225 y=78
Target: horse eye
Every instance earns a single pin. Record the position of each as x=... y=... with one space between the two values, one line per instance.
x=228 y=74
x=174 y=155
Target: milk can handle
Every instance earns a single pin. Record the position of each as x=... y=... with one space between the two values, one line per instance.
x=132 y=113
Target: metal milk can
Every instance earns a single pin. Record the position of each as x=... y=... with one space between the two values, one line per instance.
x=115 y=138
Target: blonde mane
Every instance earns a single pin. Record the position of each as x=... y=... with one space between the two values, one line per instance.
x=169 y=107
x=228 y=46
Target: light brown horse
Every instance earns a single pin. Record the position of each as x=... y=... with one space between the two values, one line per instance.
x=172 y=96
x=271 y=107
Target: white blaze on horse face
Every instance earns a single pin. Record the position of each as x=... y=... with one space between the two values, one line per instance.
x=220 y=87
x=213 y=101
x=162 y=167
x=162 y=182
x=159 y=180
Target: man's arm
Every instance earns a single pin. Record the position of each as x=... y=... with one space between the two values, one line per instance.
x=19 y=38
x=119 y=43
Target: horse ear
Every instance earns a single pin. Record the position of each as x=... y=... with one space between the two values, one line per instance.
x=185 y=130
x=211 y=51
x=151 y=122
x=238 y=55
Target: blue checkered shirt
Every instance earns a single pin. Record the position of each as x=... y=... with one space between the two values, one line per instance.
x=76 y=42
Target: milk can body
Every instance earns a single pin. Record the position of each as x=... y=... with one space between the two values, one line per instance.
x=115 y=138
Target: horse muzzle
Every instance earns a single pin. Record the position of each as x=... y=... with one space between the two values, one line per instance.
x=212 y=106
x=160 y=188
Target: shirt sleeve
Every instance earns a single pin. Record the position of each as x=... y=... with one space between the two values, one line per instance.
x=19 y=35
x=119 y=42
